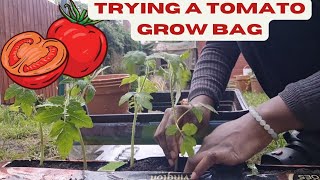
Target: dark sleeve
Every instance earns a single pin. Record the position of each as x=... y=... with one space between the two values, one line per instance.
x=213 y=70
x=303 y=99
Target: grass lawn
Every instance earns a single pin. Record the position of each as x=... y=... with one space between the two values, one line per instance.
x=19 y=138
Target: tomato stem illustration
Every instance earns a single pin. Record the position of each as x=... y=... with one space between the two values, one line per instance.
x=75 y=16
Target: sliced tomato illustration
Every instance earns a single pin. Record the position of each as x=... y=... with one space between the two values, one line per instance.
x=34 y=62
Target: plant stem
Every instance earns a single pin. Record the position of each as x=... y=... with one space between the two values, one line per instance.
x=41 y=145
x=175 y=117
x=183 y=115
x=84 y=156
x=145 y=78
x=83 y=148
x=135 y=117
x=66 y=103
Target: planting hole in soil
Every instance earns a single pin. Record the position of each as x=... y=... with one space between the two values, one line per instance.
x=153 y=164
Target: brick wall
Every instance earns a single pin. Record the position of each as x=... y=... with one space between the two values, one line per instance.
x=237 y=70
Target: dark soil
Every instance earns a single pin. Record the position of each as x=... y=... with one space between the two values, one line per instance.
x=92 y=166
x=153 y=164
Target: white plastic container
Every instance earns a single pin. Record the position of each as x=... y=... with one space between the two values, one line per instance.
x=247 y=70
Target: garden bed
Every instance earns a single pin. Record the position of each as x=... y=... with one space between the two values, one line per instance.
x=219 y=172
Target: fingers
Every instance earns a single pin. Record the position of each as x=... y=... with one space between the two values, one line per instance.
x=169 y=144
x=199 y=163
x=172 y=144
x=160 y=136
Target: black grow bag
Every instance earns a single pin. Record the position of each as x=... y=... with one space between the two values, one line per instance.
x=115 y=129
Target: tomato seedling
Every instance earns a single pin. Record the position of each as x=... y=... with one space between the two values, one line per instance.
x=178 y=75
x=139 y=99
x=65 y=113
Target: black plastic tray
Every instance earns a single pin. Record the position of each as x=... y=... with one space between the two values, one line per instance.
x=115 y=129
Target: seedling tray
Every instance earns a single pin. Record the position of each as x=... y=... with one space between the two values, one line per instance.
x=115 y=129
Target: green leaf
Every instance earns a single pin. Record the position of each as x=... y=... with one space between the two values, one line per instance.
x=112 y=166
x=59 y=100
x=47 y=105
x=56 y=128
x=132 y=78
x=75 y=91
x=155 y=56
x=185 y=55
x=189 y=129
x=171 y=130
x=162 y=72
x=143 y=99
x=64 y=144
x=68 y=134
x=13 y=108
x=80 y=119
x=90 y=93
x=67 y=80
x=12 y=91
x=145 y=103
x=207 y=106
x=198 y=113
x=26 y=97
x=81 y=84
x=151 y=63
x=49 y=115
x=132 y=60
x=26 y=109
x=181 y=76
x=190 y=141
x=74 y=106
x=148 y=86
x=125 y=98
x=187 y=146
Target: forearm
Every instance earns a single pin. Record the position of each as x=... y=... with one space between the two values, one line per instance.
x=277 y=114
x=297 y=107
x=303 y=100
x=213 y=70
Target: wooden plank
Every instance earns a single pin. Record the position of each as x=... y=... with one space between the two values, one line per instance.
x=2 y=41
x=6 y=37
x=18 y=16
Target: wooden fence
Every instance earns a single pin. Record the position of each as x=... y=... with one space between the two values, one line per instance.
x=17 y=16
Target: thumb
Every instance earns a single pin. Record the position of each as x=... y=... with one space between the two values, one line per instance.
x=208 y=160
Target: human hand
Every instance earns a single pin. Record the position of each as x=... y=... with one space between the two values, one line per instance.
x=171 y=144
x=231 y=143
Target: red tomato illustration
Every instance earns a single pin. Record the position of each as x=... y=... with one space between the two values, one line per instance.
x=33 y=62
x=86 y=44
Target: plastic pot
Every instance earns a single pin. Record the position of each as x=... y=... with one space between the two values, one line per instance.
x=255 y=86
x=108 y=94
